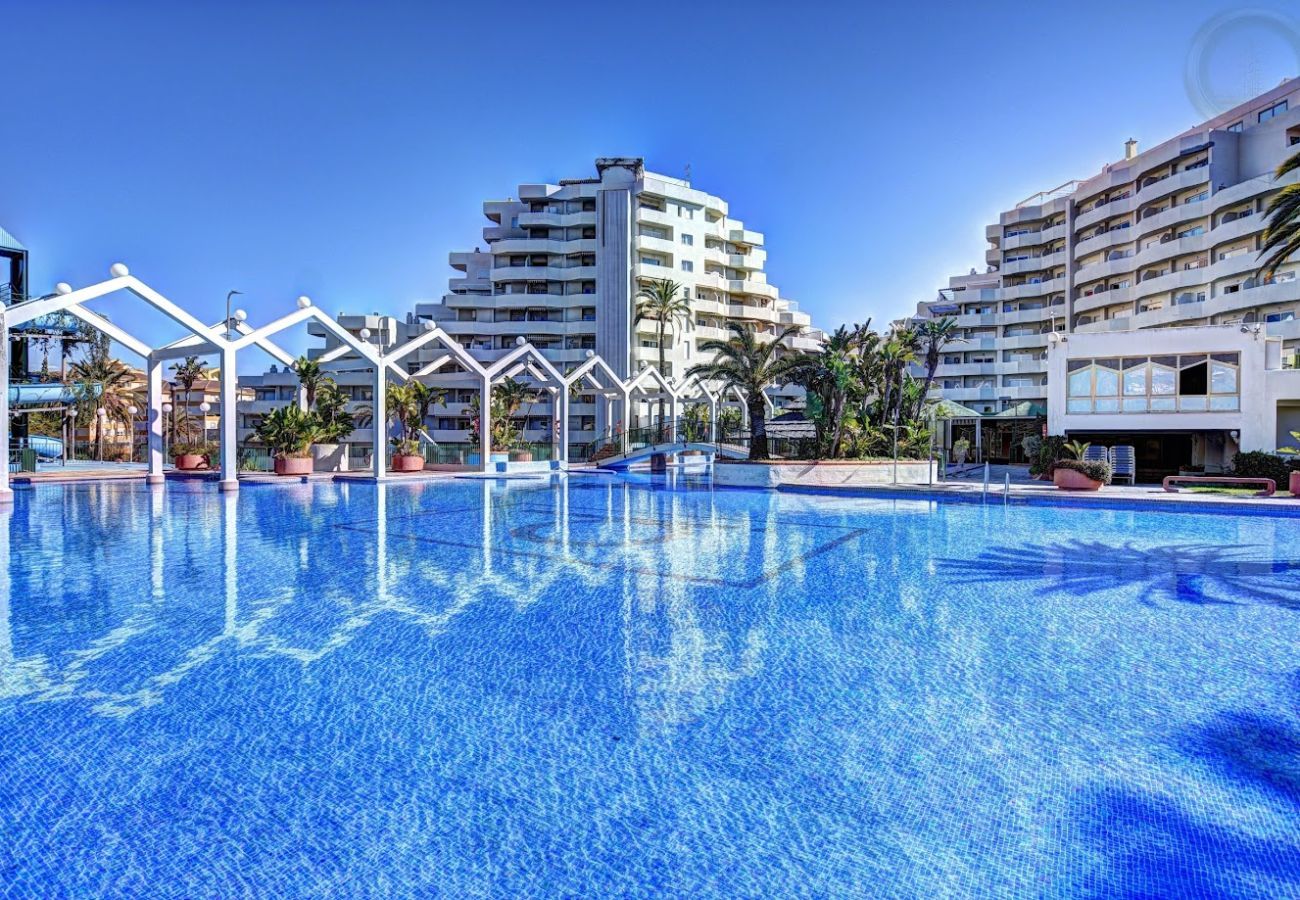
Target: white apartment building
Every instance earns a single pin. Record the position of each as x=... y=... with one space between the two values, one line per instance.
x=560 y=267
x=1165 y=237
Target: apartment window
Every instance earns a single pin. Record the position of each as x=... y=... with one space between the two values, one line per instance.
x=1235 y=127
x=1192 y=232
x=688 y=266
x=1196 y=198
x=1273 y=111
x=1285 y=316
x=688 y=240
x=650 y=261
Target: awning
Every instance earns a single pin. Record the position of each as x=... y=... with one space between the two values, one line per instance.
x=951 y=409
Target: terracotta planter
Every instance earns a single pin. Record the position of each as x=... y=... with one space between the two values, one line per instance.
x=407 y=462
x=188 y=462
x=294 y=465
x=1070 y=480
x=521 y=456
x=1293 y=484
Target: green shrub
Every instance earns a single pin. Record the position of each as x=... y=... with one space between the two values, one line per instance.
x=1049 y=450
x=1261 y=464
x=1094 y=469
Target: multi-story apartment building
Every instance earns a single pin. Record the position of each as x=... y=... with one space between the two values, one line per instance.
x=1169 y=236
x=560 y=267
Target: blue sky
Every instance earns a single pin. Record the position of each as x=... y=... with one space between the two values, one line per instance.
x=342 y=150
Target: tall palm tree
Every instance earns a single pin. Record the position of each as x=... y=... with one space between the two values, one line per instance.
x=935 y=334
x=744 y=362
x=185 y=375
x=896 y=353
x=103 y=383
x=665 y=303
x=830 y=375
x=1282 y=236
x=311 y=376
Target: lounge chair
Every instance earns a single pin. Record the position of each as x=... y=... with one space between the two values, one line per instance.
x=1123 y=462
x=1096 y=453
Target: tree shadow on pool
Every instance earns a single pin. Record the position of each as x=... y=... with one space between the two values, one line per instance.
x=1150 y=845
x=1185 y=573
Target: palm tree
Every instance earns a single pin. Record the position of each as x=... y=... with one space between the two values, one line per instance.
x=187 y=374
x=830 y=375
x=665 y=303
x=744 y=362
x=896 y=353
x=1282 y=236
x=101 y=382
x=935 y=334
x=311 y=376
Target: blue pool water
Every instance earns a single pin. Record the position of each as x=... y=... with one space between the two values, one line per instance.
x=604 y=688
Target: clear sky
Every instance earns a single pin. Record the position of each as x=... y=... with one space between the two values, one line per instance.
x=342 y=150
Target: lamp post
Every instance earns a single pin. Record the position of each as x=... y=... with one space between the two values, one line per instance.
x=204 y=408
x=130 y=446
x=239 y=315
x=69 y=432
x=170 y=426
x=100 y=416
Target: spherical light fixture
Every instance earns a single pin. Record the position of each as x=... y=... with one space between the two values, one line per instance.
x=63 y=288
x=519 y=341
x=205 y=406
x=119 y=270
x=591 y=354
x=304 y=301
x=131 y=410
x=166 y=407
x=364 y=333
x=100 y=413
x=240 y=315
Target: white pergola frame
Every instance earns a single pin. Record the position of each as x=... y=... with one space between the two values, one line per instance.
x=226 y=339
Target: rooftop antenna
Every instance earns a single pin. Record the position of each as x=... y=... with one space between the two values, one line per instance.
x=688 y=173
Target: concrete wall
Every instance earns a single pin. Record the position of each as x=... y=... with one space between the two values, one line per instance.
x=838 y=473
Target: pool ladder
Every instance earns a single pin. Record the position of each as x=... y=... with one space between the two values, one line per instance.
x=1006 y=486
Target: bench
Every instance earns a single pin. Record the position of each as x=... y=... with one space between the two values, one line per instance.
x=1270 y=486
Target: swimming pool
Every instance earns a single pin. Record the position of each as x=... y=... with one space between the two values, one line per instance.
x=602 y=687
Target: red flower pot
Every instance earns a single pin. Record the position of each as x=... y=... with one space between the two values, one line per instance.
x=188 y=462
x=293 y=465
x=407 y=462
x=1071 y=480
x=1294 y=484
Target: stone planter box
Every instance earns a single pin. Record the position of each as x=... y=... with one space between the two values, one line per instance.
x=403 y=462
x=293 y=465
x=1070 y=480
x=189 y=462
x=520 y=456
x=823 y=473
x=329 y=457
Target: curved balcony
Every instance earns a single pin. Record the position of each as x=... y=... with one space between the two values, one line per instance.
x=1105 y=241
x=556 y=220
x=1170 y=218
x=544 y=245
x=1106 y=269
x=1034 y=238
x=1105 y=211
x=544 y=273
x=1173 y=184
x=1102 y=299
x=1172 y=281
x=1042 y=288
x=1169 y=249
x=655 y=245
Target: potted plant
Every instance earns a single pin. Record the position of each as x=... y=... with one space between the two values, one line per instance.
x=1293 y=480
x=521 y=453
x=288 y=433
x=333 y=424
x=1079 y=474
x=408 y=404
x=190 y=457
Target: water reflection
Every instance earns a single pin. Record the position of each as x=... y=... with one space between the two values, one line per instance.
x=157 y=586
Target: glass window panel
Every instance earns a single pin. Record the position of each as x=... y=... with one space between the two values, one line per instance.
x=1192 y=404
x=1106 y=405
x=1162 y=380
x=1107 y=382
x=1108 y=363
x=1135 y=404
x=1231 y=358
x=1135 y=382
x=1134 y=362
x=1163 y=404
x=1185 y=361
x=1223 y=379
x=1226 y=403
x=1081 y=383
x=1170 y=361
x=1074 y=365
x=1079 y=406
